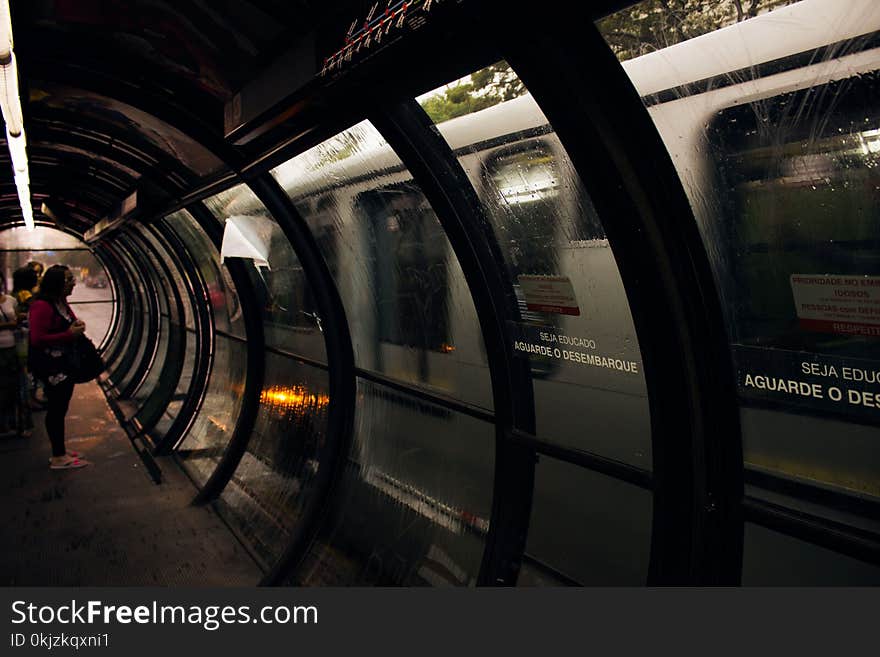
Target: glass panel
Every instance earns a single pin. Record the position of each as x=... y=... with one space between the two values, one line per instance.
x=177 y=272
x=272 y=483
x=774 y=559
x=575 y=325
x=156 y=391
x=162 y=263
x=290 y=318
x=410 y=313
x=134 y=302
x=171 y=411
x=38 y=239
x=222 y=294
x=586 y=529
x=97 y=316
x=92 y=281
x=213 y=426
x=156 y=368
x=120 y=330
x=145 y=322
x=773 y=125
x=165 y=368
x=415 y=500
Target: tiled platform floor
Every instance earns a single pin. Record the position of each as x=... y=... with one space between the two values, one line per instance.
x=107 y=524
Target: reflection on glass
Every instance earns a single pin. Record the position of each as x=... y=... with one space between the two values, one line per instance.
x=414 y=503
x=659 y=26
x=212 y=428
x=133 y=305
x=123 y=371
x=172 y=260
x=265 y=498
x=773 y=559
x=574 y=324
x=184 y=382
x=122 y=313
x=97 y=316
x=290 y=318
x=771 y=121
x=222 y=294
x=409 y=310
x=586 y=529
x=158 y=365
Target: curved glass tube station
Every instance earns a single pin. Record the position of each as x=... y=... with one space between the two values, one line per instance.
x=436 y=295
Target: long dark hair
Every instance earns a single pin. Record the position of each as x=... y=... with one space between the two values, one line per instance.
x=53 y=282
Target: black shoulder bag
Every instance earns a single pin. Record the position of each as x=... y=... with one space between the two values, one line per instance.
x=77 y=359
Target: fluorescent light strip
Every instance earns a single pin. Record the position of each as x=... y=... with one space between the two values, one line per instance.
x=10 y=104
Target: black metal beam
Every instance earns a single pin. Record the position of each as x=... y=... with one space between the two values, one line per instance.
x=616 y=150
x=152 y=320
x=256 y=363
x=124 y=311
x=340 y=361
x=835 y=536
x=136 y=303
x=196 y=290
x=435 y=168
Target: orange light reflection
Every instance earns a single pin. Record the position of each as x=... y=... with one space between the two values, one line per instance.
x=292 y=397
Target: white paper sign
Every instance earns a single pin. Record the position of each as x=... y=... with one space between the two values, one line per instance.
x=247 y=237
x=549 y=294
x=842 y=304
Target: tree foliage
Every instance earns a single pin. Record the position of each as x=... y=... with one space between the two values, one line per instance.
x=642 y=28
x=485 y=88
x=656 y=24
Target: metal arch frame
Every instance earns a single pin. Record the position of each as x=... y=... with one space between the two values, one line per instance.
x=118 y=350
x=119 y=284
x=173 y=366
x=101 y=257
x=151 y=312
x=79 y=170
x=340 y=368
x=204 y=329
x=126 y=358
x=163 y=108
x=697 y=530
x=126 y=149
x=256 y=365
x=178 y=337
x=17 y=222
x=409 y=131
x=115 y=346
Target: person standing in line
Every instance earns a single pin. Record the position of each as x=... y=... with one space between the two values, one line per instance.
x=10 y=369
x=53 y=326
x=37 y=267
x=26 y=281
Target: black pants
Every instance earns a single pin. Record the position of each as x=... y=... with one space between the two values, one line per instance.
x=58 y=399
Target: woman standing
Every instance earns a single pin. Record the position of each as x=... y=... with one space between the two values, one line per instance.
x=53 y=326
